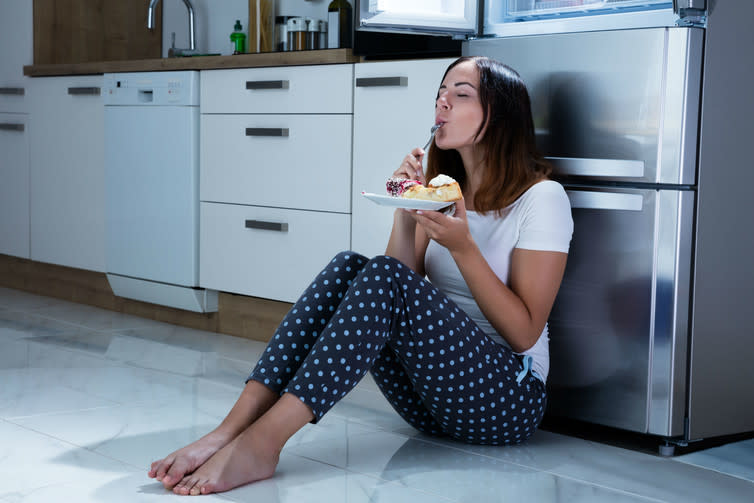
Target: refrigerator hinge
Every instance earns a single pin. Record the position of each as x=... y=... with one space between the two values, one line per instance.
x=691 y=12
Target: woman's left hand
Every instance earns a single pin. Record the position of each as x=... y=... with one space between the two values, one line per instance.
x=452 y=232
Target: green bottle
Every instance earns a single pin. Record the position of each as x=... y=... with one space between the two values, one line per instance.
x=339 y=24
x=238 y=37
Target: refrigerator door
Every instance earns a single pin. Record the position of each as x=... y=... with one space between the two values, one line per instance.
x=621 y=106
x=441 y=17
x=618 y=330
x=528 y=17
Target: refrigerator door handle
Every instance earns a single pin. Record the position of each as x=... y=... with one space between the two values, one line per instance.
x=578 y=166
x=605 y=200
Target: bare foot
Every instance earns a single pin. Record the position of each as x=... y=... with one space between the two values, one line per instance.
x=246 y=459
x=177 y=465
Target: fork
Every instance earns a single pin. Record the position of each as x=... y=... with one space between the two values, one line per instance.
x=432 y=132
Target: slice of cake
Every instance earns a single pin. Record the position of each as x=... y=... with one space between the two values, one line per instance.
x=441 y=188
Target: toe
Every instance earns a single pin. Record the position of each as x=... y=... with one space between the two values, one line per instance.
x=185 y=485
x=207 y=487
x=153 y=469
x=176 y=472
x=162 y=467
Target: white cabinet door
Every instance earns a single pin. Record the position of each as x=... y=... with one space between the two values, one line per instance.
x=16 y=44
x=316 y=89
x=286 y=161
x=14 y=185
x=267 y=252
x=393 y=112
x=67 y=172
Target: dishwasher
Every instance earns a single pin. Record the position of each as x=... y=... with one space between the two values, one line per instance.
x=152 y=189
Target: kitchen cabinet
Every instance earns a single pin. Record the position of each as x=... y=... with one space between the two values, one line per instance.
x=275 y=177
x=393 y=112
x=67 y=172
x=14 y=185
x=16 y=32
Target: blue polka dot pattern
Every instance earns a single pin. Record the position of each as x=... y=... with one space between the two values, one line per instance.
x=433 y=364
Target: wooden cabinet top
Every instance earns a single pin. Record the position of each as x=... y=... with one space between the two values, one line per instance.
x=319 y=57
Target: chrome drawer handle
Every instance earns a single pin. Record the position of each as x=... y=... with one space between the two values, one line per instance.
x=382 y=82
x=266 y=131
x=84 y=91
x=11 y=127
x=267 y=226
x=256 y=85
x=576 y=166
x=605 y=200
x=12 y=91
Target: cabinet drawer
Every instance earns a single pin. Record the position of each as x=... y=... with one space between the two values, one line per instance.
x=307 y=168
x=267 y=252
x=298 y=89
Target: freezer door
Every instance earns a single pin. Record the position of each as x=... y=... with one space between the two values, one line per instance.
x=630 y=97
x=440 y=17
x=619 y=326
x=514 y=18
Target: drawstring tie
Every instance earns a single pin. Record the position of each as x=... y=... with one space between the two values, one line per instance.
x=526 y=360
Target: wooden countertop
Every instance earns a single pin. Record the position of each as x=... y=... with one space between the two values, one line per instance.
x=293 y=58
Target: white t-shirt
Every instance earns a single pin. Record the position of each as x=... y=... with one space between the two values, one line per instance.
x=538 y=220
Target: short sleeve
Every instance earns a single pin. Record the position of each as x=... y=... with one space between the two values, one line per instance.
x=545 y=223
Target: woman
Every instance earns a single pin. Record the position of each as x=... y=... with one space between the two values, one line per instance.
x=464 y=356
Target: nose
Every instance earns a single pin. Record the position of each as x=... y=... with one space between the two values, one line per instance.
x=442 y=102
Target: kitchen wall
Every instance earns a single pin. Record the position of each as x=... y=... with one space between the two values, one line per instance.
x=214 y=20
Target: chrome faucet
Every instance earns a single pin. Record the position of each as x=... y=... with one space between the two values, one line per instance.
x=192 y=35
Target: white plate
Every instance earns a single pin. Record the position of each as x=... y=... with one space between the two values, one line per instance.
x=409 y=204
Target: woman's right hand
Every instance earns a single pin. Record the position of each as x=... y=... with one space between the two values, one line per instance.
x=411 y=167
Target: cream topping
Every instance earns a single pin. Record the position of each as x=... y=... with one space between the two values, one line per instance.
x=441 y=180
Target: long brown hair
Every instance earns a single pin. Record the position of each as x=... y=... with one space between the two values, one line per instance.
x=512 y=162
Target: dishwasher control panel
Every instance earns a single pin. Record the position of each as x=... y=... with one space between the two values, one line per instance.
x=152 y=88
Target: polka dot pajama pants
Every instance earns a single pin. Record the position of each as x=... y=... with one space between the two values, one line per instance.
x=432 y=363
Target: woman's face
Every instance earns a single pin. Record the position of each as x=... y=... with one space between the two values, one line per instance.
x=458 y=108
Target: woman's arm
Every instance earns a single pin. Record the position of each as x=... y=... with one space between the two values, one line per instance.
x=408 y=242
x=519 y=311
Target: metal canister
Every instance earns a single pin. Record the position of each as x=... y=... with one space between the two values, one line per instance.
x=297 y=34
x=316 y=34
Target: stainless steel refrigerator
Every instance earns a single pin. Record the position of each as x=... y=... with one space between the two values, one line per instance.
x=644 y=109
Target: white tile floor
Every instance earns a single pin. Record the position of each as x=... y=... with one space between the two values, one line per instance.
x=88 y=398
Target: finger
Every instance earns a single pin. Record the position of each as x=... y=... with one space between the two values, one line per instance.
x=403 y=171
x=434 y=216
x=429 y=224
x=408 y=168
x=460 y=211
x=415 y=165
